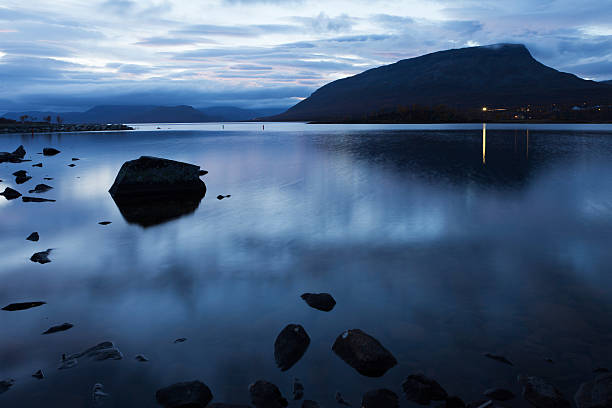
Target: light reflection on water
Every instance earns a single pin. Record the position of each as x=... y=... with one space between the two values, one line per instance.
x=440 y=257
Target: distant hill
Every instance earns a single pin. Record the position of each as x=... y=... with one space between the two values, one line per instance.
x=503 y=75
x=149 y=114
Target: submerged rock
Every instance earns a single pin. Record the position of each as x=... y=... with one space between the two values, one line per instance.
x=596 y=393
x=41 y=188
x=141 y=358
x=38 y=375
x=499 y=394
x=422 y=390
x=36 y=200
x=105 y=222
x=75 y=159
x=5 y=385
x=67 y=362
x=266 y=395
x=22 y=306
x=453 y=402
x=72 y=165
x=320 y=301
x=221 y=197
x=41 y=257
x=37 y=165
x=364 y=353
x=340 y=399
x=310 y=404
x=153 y=176
x=59 y=328
x=381 y=398
x=290 y=346
x=499 y=358
x=33 y=237
x=298 y=390
x=10 y=194
x=541 y=394
x=193 y=394
x=103 y=351
x=14 y=157
x=98 y=395
x=50 y=151
x=180 y=340
x=151 y=211
x=22 y=179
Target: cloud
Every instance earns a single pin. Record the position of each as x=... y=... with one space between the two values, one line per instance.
x=324 y=23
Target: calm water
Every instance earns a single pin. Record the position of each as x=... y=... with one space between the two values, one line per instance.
x=437 y=255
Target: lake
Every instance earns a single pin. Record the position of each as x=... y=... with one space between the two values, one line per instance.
x=438 y=252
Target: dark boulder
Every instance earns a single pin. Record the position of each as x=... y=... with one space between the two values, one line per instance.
x=298 y=389
x=10 y=194
x=33 y=237
x=41 y=257
x=541 y=394
x=41 y=188
x=193 y=394
x=364 y=353
x=105 y=222
x=22 y=179
x=290 y=346
x=20 y=173
x=266 y=395
x=5 y=385
x=22 y=306
x=38 y=375
x=36 y=200
x=59 y=328
x=14 y=157
x=37 y=165
x=50 y=151
x=154 y=176
x=319 y=301
x=100 y=352
x=381 y=398
x=310 y=404
x=596 y=393
x=141 y=358
x=499 y=394
x=422 y=390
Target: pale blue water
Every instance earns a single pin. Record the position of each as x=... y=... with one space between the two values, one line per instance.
x=437 y=255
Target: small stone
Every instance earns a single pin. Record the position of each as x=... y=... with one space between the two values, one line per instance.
x=499 y=358
x=22 y=306
x=48 y=178
x=10 y=194
x=141 y=358
x=298 y=389
x=105 y=222
x=364 y=353
x=541 y=394
x=422 y=390
x=33 y=237
x=381 y=398
x=61 y=327
x=37 y=165
x=41 y=257
x=180 y=340
x=75 y=159
x=499 y=394
x=67 y=362
x=36 y=200
x=50 y=151
x=290 y=346
x=340 y=399
x=266 y=395
x=100 y=352
x=72 y=165
x=41 y=188
x=5 y=385
x=38 y=375
x=193 y=394
x=320 y=301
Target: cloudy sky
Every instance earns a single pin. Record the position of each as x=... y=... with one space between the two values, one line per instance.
x=73 y=54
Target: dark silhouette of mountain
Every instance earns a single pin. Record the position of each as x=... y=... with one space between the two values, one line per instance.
x=502 y=75
x=609 y=82
x=149 y=114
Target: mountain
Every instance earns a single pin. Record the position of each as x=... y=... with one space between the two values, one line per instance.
x=502 y=75
x=150 y=114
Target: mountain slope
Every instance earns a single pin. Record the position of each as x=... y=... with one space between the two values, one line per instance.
x=503 y=75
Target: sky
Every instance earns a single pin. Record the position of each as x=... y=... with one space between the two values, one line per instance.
x=65 y=55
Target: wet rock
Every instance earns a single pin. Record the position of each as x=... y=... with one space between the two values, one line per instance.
x=33 y=237
x=98 y=395
x=41 y=257
x=499 y=358
x=41 y=188
x=148 y=176
x=50 y=151
x=202 y=172
x=67 y=362
x=541 y=394
x=499 y=394
x=72 y=165
x=310 y=404
x=141 y=358
x=37 y=165
x=38 y=375
x=5 y=385
x=23 y=179
x=422 y=390
x=10 y=194
x=193 y=394
x=75 y=159
x=181 y=340
x=319 y=301
x=14 y=157
x=105 y=222
x=22 y=306
x=290 y=346
x=298 y=389
x=103 y=351
x=340 y=399
x=151 y=211
x=20 y=173
x=364 y=353
x=221 y=197
x=48 y=178
x=596 y=393
x=381 y=398
x=36 y=200
x=59 y=328
x=266 y=395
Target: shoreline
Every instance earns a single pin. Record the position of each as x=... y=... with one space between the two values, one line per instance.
x=53 y=128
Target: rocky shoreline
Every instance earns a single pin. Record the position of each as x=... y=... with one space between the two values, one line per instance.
x=49 y=128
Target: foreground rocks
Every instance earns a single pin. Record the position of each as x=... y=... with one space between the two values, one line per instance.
x=22 y=306
x=382 y=398
x=10 y=194
x=98 y=395
x=422 y=390
x=290 y=346
x=193 y=394
x=266 y=395
x=14 y=157
x=596 y=393
x=5 y=385
x=41 y=257
x=320 y=301
x=59 y=328
x=541 y=394
x=364 y=353
x=41 y=188
x=50 y=151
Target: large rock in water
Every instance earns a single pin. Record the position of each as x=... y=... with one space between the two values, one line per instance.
x=541 y=394
x=364 y=353
x=193 y=394
x=153 y=176
x=596 y=393
x=290 y=346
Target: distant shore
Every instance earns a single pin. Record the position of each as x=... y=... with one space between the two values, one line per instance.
x=42 y=127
